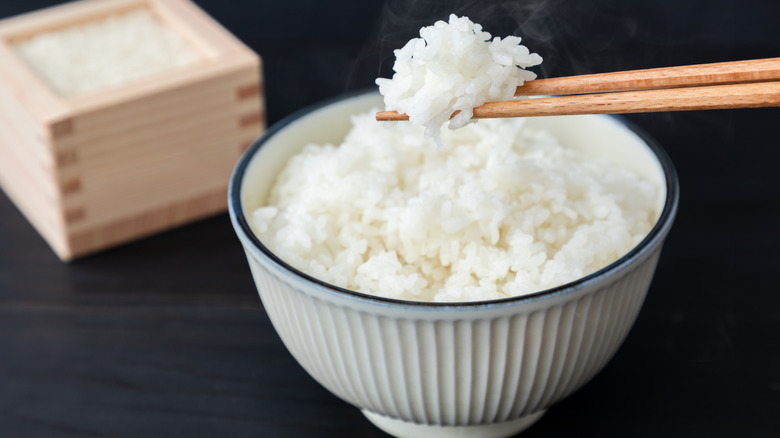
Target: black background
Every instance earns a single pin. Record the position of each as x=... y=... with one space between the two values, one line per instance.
x=166 y=337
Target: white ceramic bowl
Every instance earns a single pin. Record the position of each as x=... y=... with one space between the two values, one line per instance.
x=464 y=369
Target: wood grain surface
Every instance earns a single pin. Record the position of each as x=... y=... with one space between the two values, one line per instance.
x=165 y=337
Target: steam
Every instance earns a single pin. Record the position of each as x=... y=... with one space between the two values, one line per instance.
x=573 y=37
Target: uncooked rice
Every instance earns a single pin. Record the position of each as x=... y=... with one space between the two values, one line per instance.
x=501 y=211
x=107 y=52
x=454 y=66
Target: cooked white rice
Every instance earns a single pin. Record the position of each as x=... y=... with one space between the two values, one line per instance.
x=454 y=66
x=106 y=52
x=503 y=210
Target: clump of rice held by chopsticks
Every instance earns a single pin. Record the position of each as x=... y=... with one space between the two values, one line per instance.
x=454 y=66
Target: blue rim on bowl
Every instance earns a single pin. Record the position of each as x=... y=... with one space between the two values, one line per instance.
x=658 y=231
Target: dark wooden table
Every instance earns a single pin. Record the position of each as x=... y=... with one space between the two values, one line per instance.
x=165 y=337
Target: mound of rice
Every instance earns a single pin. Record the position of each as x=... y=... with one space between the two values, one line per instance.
x=503 y=210
x=454 y=66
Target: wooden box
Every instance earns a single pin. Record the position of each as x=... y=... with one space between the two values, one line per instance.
x=98 y=169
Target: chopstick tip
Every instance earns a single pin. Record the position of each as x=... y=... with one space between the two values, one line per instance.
x=390 y=116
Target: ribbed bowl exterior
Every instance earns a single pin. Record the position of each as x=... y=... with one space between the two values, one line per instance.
x=444 y=366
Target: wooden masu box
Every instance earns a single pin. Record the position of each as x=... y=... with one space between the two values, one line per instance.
x=99 y=169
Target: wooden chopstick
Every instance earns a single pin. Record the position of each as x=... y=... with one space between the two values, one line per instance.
x=740 y=84
x=720 y=73
x=750 y=95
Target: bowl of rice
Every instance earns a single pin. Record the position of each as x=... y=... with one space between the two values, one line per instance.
x=454 y=289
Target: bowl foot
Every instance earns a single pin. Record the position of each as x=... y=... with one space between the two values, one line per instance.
x=405 y=429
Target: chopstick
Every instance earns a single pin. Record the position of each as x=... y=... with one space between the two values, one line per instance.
x=739 y=84
x=721 y=73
